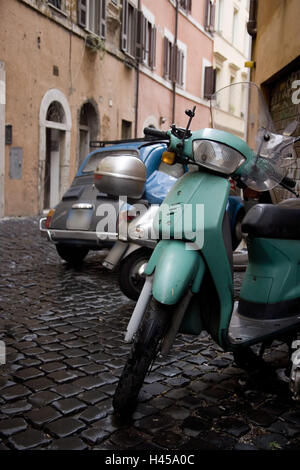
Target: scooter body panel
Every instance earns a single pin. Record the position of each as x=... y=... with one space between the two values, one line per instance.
x=271 y=287
x=212 y=192
x=170 y=283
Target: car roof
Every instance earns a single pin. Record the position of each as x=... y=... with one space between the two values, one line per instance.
x=145 y=148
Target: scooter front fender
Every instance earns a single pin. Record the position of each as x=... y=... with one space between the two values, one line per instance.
x=170 y=284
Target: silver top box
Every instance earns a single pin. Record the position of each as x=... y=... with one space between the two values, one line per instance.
x=121 y=176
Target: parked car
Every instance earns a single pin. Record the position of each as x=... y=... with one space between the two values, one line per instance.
x=73 y=224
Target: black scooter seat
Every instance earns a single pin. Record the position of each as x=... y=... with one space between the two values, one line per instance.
x=280 y=221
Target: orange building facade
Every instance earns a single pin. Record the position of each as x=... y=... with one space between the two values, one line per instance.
x=76 y=71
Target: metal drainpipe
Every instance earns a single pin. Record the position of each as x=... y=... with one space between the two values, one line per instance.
x=251 y=25
x=137 y=86
x=175 y=44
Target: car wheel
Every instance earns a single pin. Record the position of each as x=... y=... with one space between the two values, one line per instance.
x=71 y=253
x=237 y=233
x=131 y=277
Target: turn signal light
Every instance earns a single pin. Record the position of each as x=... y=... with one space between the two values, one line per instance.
x=168 y=158
x=49 y=218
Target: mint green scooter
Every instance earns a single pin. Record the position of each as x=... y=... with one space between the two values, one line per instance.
x=189 y=277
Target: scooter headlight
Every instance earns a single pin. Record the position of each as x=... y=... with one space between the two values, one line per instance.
x=217 y=156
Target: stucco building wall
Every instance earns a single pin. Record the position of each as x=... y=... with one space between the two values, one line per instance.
x=276 y=53
x=32 y=46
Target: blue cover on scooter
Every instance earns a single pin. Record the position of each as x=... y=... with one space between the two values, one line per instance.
x=157 y=186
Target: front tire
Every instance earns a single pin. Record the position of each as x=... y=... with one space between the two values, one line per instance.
x=144 y=350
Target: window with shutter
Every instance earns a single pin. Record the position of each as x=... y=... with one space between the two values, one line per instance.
x=186 y=5
x=91 y=15
x=209 y=82
x=174 y=59
x=166 y=58
x=129 y=29
x=149 y=44
x=210 y=12
x=56 y=3
x=103 y=19
x=141 y=37
x=152 y=57
x=82 y=12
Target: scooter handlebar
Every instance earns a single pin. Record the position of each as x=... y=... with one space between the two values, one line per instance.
x=156 y=133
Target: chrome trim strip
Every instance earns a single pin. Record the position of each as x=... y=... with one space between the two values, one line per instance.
x=55 y=235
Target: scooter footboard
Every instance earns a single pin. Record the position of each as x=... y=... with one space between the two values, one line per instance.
x=175 y=268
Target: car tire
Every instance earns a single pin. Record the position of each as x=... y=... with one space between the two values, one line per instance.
x=130 y=281
x=71 y=253
x=237 y=230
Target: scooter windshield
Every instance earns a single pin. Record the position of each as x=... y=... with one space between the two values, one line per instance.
x=241 y=109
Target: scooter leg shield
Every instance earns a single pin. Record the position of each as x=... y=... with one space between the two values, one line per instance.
x=175 y=269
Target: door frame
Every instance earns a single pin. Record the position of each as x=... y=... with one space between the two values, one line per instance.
x=65 y=149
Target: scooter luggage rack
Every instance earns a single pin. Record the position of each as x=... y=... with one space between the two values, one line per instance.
x=246 y=331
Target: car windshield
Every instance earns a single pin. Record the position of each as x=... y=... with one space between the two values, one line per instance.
x=94 y=160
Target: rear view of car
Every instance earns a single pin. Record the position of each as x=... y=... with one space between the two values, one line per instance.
x=86 y=219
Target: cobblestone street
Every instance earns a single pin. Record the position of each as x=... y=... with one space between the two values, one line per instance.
x=63 y=329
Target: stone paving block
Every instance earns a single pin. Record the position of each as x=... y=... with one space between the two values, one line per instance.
x=76 y=362
x=69 y=405
x=271 y=442
x=28 y=439
x=93 y=396
x=64 y=427
x=16 y=407
x=30 y=362
x=155 y=423
x=233 y=426
x=62 y=376
x=8 y=427
x=94 y=435
x=92 y=413
x=14 y=392
x=127 y=438
x=53 y=367
x=50 y=357
x=93 y=369
x=68 y=443
x=28 y=373
x=88 y=383
x=71 y=353
x=41 y=416
x=43 y=398
x=38 y=385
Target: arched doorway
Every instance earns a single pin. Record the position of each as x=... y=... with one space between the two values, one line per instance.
x=54 y=159
x=88 y=129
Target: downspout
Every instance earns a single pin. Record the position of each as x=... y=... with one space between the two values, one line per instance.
x=252 y=25
x=175 y=44
x=137 y=87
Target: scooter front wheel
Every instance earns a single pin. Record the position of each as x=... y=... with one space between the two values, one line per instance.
x=143 y=352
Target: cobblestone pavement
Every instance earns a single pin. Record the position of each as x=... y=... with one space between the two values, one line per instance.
x=63 y=329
